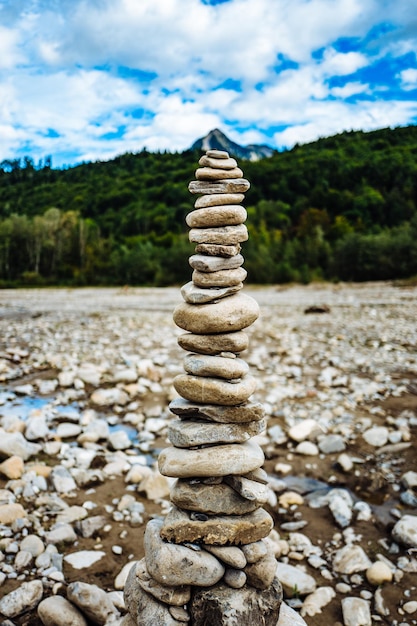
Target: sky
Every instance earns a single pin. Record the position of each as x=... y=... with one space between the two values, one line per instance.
x=87 y=80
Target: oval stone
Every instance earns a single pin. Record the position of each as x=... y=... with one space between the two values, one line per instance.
x=224 y=164
x=222 y=278
x=214 y=249
x=202 y=389
x=188 y=434
x=222 y=460
x=205 y=263
x=210 y=499
x=226 y=215
x=176 y=565
x=210 y=173
x=214 y=344
x=227 y=315
x=223 y=235
x=196 y=295
x=232 y=185
x=217 y=154
x=216 y=199
x=218 y=366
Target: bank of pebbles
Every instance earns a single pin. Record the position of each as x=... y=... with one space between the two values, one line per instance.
x=76 y=383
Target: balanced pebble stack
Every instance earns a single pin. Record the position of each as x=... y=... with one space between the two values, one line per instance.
x=209 y=554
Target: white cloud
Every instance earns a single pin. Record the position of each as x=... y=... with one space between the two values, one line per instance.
x=350 y=89
x=409 y=78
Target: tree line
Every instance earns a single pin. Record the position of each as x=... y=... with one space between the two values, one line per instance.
x=340 y=208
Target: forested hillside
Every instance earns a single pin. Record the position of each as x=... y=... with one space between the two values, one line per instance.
x=341 y=208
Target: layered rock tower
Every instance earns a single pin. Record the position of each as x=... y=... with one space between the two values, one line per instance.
x=207 y=562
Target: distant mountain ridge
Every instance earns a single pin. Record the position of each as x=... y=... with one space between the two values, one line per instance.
x=217 y=140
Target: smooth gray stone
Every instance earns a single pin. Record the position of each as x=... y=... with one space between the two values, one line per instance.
x=233 y=458
x=235 y=578
x=189 y=434
x=180 y=527
x=196 y=295
x=214 y=390
x=255 y=551
x=229 y=555
x=175 y=596
x=223 y=606
x=405 y=531
x=236 y=185
x=215 y=249
x=219 y=499
x=222 y=235
x=214 y=216
x=223 y=163
x=205 y=263
x=144 y=609
x=259 y=475
x=25 y=598
x=216 y=199
x=176 y=565
x=218 y=366
x=248 y=412
x=215 y=174
x=214 y=344
x=261 y=573
x=92 y=601
x=57 y=611
x=222 y=278
x=249 y=489
x=227 y=315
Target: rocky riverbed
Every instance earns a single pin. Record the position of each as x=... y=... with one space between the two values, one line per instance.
x=85 y=380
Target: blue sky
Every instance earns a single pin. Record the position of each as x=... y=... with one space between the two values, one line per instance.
x=85 y=80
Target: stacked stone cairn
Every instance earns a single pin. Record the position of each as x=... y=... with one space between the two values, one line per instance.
x=207 y=562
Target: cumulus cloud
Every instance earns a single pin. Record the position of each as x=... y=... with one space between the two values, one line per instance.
x=89 y=79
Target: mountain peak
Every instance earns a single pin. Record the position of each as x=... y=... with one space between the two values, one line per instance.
x=217 y=140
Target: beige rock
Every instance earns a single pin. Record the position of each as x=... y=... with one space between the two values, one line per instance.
x=218 y=366
x=229 y=314
x=57 y=611
x=12 y=467
x=214 y=344
x=219 y=215
x=233 y=458
x=211 y=173
x=251 y=411
x=378 y=573
x=255 y=551
x=229 y=555
x=218 y=249
x=217 y=154
x=222 y=235
x=223 y=163
x=217 y=530
x=223 y=278
x=189 y=434
x=11 y=512
x=196 y=295
x=176 y=565
x=205 y=263
x=249 y=489
x=216 y=199
x=235 y=578
x=261 y=573
x=234 y=185
x=210 y=499
x=214 y=390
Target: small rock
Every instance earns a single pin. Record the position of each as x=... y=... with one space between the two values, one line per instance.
x=294 y=580
x=378 y=573
x=24 y=598
x=405 y=531
x=376 y=436
x=84 y=558
x=92 y=601
x=356 y=612
x=57 y=611
x=314 y=602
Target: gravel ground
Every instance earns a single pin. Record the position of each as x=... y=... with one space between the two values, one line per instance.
x=340 y=390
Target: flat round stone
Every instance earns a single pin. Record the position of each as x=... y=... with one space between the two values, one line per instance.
x=218 y=249
x=214 y=390
x=190 y=434
x=216 y=199
x=223 y=235
x=204 y=263
x=222 y=278
x=217 y=154
x=224 y=215
x=227 y=315
x=209 y=173
x=221 y=460
x=190 y=495
x=214 y=344
x=217 y=366
x=229 y=185
x=196 y=295
x=224 y=164
x=251 y=411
